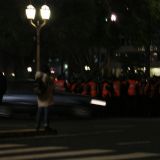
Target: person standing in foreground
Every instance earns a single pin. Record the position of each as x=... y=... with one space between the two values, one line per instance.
x=44 y=99
x=3 y=86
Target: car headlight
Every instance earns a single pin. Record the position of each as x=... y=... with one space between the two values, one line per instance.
x=98 y=102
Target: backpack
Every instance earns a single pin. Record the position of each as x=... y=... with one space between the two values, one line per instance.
x=40 y=87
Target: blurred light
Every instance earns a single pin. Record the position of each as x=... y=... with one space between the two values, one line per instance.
x=3 y=73
x=106 y=19
x=98 y=102
x=118 y=54
x=155 y=71
x=155 y=54
x=87 y=68
x=29 y=69
x=45 y=12
x=113 y=18
x=129 y=68
x=30 y=12
x=13 y=74
x=52 y=70
x=65 y=66
x=126 y=55
x=135 y=71
x=50 y=60
x=57 y=59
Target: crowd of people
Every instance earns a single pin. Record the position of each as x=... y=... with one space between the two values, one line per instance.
x=126 y=96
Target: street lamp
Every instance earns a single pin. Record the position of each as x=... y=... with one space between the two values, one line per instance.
x=113 y=18
x=45 y=15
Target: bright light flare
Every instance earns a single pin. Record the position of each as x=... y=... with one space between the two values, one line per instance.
x=29 y=69
x=45 y=12
x=98 y=102
x=30 y=12
x=113 y=18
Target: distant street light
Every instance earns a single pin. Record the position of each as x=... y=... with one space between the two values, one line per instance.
x=113 y=18
x=45 y=15
x=87 y=68
x=29 y=69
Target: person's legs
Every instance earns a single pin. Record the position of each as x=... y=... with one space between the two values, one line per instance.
x=39 y=117
x=46 y=118
x=1 y=96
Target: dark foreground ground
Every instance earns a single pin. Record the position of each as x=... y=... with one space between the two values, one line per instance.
x=92 y=139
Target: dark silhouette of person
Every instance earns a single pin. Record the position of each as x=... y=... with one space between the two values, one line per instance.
x=3 y=86
x=45 y=100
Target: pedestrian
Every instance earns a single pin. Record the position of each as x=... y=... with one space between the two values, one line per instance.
x=3 y=86
x=45 y=98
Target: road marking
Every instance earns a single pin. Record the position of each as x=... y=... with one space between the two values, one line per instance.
x=31 y=150
x=24 y=152
x=60 y=154
x=133 y=143
x=129 y=156
x=18 y=131
x=4 y=146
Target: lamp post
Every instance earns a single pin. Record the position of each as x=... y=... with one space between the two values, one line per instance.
x=45 y=15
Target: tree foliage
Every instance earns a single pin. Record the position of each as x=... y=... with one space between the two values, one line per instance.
x=78 y=31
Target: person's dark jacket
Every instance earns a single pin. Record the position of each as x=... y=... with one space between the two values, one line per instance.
x=3 y=84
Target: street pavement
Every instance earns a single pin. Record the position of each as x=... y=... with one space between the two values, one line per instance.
x=92 y=139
